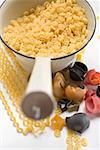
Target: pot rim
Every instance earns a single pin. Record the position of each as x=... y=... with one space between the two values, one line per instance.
x=62 y=57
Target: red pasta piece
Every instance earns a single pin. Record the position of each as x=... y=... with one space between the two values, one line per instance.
x=92 y=103
x=89 y=93
x=92 y=78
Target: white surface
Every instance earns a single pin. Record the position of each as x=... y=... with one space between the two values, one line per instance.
x=11 y=140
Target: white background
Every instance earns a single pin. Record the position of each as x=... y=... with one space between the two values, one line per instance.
x=11 y=140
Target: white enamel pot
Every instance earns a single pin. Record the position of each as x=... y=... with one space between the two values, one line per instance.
x=38 y=101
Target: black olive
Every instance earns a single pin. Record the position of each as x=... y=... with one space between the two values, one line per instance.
x=62 y=104
x=78 y=71
x=98 y=91
x=78 y=122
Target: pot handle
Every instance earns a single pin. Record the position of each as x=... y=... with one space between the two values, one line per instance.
x=38 y=100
